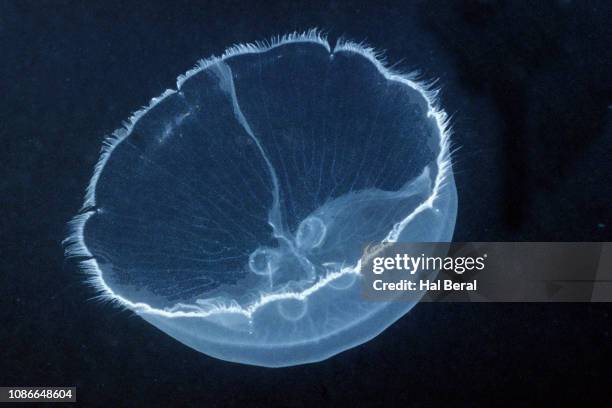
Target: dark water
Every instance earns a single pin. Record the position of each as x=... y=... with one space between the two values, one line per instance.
x=529 y=88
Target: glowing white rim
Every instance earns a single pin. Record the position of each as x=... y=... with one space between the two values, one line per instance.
x=75 y=246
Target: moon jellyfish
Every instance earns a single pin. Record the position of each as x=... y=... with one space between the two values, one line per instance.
x=233 y=211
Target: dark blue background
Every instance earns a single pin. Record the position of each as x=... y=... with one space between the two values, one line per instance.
x=529 y=89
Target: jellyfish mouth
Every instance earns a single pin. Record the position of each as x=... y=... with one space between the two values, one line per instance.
x=311 y=234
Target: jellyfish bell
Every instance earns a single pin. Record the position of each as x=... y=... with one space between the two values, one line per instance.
x=232 y=213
